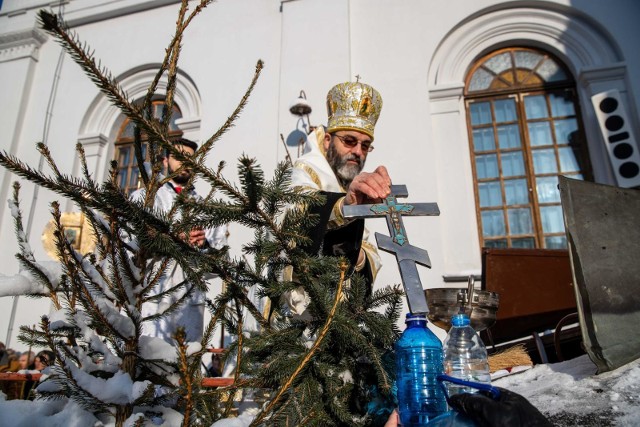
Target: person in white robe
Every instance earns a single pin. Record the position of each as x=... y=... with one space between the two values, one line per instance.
x=191 y=314
x=332 y=164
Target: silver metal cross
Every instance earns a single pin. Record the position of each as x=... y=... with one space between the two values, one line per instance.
x=398 y=244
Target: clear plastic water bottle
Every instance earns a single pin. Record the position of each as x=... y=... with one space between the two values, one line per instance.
x=465 y=355
x=418 y=363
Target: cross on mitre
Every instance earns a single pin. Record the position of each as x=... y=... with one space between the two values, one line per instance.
x=398 y=243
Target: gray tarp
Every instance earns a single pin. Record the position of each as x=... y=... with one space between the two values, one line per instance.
x=603 y=232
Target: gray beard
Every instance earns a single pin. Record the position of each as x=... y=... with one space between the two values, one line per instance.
x=345 y=173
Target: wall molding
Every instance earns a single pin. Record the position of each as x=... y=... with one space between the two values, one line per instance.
x=103 y=118
x=574 y=38
x=21 y=44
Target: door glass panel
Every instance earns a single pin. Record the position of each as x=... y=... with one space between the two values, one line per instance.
x=487 y=166
x=499 y=63
x=508 y=136
x=539 y=134
x=512 y=164
x=516 y=191
x=561 y=105
x=516 y=169
x=497 y=243
x=527 y=59
x=123 y=156
x=490 y=194
x=128 y=130
x=173 y=126
x=505 y=110
x=547 y=189
x=480 y=113
x=535 y=107
x=133 y=178
x=122 y=178
x=128 y=173
x=481 y=80
x=520 y=221
x=550 y=71
x=526 y=243
x=552 y=219
x=566 y=131
x=493 y=223
x=568 y=161
x=555 y=242
x=544 y=161
x=157 y=110
x=483 y=139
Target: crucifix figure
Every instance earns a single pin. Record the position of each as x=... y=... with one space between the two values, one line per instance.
x=398 y=244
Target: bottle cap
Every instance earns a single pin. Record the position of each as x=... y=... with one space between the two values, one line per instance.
x=460 y=320
x=416 y=316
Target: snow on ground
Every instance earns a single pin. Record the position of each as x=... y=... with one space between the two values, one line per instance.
x=568 y=393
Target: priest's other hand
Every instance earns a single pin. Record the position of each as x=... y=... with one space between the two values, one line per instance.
x=369 y=187
x=510 y=409
x=197 y=237
x=394 y=420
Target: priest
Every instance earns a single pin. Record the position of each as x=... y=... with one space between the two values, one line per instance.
x=332 y=164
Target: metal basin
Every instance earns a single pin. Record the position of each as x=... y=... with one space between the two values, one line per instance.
x=481 y=308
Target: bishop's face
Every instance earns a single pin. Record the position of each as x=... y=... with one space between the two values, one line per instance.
x=173 y=165
x=346 y=153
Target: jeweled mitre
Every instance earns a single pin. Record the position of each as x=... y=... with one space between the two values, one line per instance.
x=353 y=106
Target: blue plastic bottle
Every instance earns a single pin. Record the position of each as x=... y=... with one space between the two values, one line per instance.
x=418 y=363
x=465 y=355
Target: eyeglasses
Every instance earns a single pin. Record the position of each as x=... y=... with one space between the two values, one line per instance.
x=352 y=142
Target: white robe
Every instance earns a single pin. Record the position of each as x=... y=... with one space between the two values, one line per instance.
x=312 y=171
x=191 y=314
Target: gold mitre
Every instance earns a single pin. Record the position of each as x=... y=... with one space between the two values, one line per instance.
x=353 y=106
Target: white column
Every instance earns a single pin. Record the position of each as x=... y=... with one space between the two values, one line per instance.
x=455 y=183
x=18 y=59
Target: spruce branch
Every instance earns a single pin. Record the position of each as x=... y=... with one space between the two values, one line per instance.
x=101 y=76
x=206 y=147
x=14 y=205
x=196 y=11
x=181 y=26
x=169 y=62
x=188 y=376
x=307 y=358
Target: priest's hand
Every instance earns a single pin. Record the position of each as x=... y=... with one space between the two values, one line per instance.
x=369 y=187
x=197 y=237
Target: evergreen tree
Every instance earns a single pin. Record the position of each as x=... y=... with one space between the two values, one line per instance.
x=328 y=369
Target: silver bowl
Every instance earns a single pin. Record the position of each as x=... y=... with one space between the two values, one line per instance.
x=444 y=303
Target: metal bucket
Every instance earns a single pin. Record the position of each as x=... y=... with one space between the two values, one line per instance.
x=444 y=303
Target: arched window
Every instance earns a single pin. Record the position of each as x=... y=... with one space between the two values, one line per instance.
x=128 y=174
x=524 y=131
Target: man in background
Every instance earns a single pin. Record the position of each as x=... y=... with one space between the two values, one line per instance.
x=191 y=314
